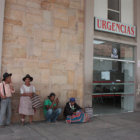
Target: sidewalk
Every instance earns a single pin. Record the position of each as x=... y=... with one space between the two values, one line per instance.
x=109 y=127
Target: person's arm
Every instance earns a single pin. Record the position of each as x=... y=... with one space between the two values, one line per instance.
x=1 y=91
x=48 y=106
x=2 y=96
x=25 y=94
x=67 y=110
x=34 y=90
x=56 y=102
x=77 y=107
x=12 y=88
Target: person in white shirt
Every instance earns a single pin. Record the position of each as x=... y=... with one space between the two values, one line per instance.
x=25 y=107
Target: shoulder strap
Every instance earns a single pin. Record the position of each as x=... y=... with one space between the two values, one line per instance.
x=4 y=89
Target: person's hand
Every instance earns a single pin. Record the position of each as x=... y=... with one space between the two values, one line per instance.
x=83 y=109
x=12 y=87
x=3 y=97
x=74 y=113
x=30 y=95
x=57 y=101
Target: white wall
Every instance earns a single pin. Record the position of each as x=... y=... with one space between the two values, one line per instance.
x=127 y=12
x=100 y=8
x=2 y=5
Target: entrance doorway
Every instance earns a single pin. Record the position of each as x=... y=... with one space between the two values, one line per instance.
x=113 y=77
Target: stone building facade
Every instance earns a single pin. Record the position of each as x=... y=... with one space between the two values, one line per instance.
x=45 y=39
x=52 y=40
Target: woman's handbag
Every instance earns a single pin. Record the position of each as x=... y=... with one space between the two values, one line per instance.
x=36 y=102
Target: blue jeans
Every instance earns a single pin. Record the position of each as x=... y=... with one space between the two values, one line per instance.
x=5 y=111
x=52 y=115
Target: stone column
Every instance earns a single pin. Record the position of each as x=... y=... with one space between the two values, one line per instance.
x=88 y=52
x=137 y=53
x=2 y=6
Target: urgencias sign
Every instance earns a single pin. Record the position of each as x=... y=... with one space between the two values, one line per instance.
x=115 y=27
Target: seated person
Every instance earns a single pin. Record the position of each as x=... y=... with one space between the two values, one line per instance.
x=73 y=113
x=51 y=110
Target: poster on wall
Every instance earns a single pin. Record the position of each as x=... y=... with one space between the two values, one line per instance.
x=114 y=53
x=105 y=75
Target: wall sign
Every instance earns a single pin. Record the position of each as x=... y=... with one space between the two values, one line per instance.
x=115 y=27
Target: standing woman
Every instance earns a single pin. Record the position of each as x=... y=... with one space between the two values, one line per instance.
x=25 y=108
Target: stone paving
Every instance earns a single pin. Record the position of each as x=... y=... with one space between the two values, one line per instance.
x=108 y=127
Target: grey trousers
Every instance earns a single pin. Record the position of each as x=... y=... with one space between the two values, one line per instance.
x=5 y=111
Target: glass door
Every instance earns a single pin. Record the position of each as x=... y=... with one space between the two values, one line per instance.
x=113 y=77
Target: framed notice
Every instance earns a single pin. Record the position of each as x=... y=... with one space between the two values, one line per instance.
x=105 y=75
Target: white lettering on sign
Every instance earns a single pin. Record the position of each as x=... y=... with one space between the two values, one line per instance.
x=115 y=27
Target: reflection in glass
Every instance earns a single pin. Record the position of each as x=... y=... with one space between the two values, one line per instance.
x=113 y=16
x=113 y=4
x=105 y=50
x=113 y=76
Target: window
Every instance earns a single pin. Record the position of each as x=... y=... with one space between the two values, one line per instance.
x=114 y=10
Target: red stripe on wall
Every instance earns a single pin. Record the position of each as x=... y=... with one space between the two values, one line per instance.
x=112 y=95
x=112 y=82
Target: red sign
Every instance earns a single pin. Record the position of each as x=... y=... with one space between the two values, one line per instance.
x=115 y=27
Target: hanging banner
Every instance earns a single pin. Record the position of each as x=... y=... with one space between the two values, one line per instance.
x=115 y=27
